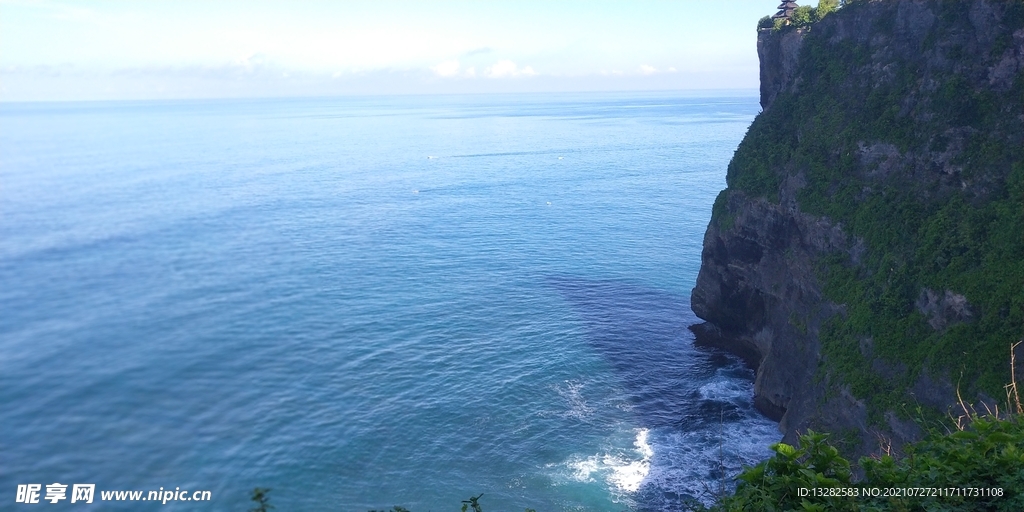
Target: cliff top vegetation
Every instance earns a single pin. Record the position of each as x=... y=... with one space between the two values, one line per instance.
x=803 y=16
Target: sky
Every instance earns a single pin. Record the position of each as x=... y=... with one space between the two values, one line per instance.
x=129 y=50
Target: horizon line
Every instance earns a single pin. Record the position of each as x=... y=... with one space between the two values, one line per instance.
x=717 y=92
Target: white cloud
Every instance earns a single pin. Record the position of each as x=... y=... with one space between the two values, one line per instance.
x=507 y=68
x=470 y=71
x=502 y=69
x=446 y=68
x=648 y=70
x=672 y=70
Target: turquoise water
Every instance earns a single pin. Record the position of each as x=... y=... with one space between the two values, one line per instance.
x=365 y=302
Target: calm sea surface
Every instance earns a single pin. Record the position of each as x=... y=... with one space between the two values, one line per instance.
x=365 y=302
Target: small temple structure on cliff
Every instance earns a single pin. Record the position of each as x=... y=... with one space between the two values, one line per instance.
x=786 y=9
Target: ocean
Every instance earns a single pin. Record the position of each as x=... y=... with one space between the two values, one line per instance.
x=370 y=301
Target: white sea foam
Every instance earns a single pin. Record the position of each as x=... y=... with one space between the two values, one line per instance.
x=623 y=470
x=724 y=389
x=629 y=476
x=662 y=467
x=584 y=468
x=691 y=462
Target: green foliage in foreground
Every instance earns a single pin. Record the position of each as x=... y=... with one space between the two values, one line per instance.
x=979 y=468
x=261 y=497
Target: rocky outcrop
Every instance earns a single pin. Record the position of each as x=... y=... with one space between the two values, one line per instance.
x=943 y=309
x=758 y=291
x=759 y=287
x=778 y=56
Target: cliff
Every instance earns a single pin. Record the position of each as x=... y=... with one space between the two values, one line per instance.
x=868 y=253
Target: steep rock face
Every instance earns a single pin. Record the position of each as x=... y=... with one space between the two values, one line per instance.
x=758 y=291
x=945 y=78
x=778 y=56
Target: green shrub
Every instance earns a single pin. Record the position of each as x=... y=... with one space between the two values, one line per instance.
x=978 y=468
x=825 y=7
x=776 y=483
x=802 y=16
x=988 y=455
x=261 y=497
